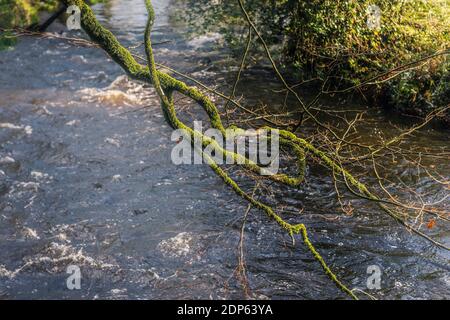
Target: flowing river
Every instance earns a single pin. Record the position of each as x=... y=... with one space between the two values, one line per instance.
x=86 y=180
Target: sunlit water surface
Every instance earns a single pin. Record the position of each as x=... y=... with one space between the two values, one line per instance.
x=86 y=179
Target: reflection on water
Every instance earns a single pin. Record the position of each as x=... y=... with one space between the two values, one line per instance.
x=86 y=179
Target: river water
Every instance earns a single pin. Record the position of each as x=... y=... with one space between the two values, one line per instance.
x=86 y=180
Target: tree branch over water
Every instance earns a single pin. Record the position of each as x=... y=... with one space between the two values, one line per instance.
x=166 y=85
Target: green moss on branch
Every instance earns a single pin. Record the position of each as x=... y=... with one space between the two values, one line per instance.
x=166 y=85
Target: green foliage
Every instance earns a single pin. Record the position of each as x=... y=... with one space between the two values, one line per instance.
x=420 y=91
x=331 y=38
x=7 y=40
x=442 y=92
x=322 y=31
x=22 y=13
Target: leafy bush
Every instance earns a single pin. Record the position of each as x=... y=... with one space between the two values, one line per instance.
x=332 y=38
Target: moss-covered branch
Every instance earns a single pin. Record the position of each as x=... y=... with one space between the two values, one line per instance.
x=165 y=86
